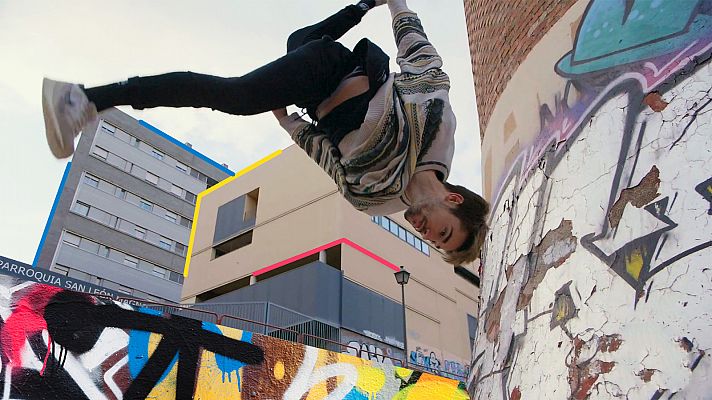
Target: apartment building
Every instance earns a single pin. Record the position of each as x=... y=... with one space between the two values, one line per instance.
x=280 y=245
x=124 y=211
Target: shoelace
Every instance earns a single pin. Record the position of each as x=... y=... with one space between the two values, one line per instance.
x=84 y=116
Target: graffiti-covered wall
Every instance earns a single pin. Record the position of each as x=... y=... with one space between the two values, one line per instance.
x=597 y=272
x=59 y=344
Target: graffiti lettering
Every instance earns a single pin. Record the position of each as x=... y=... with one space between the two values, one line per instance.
x=369 y=352
x=57 y=344
x=425 y=359
x=76 y=324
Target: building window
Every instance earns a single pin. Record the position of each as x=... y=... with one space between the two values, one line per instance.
x=190 y=197
x=181 y=167
x=165 y=244
x=402 y=233
x=103 y=251
x=120 y=193
x=199 y=176
x=139 y=232
x=233 y=244
x=176 y=277
x=385 y=222
x=101 y=153
x=134 y=142
x=472 y=329
x=71 y=239
x=180 y=248
x=410 y=238
x=177 y=190
x=158 y=271
x=124 y=290
x=151 y=178
x=130 y=261
x=81 y=208
x=157 y=154
x=90 y=246
x=91 y=180
x=186 y=222
x=171 y=217
x=145 y=205
x=60 y=269
x=106 y=128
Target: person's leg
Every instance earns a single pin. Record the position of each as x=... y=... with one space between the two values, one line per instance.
x=304 y=76
x=334 y=26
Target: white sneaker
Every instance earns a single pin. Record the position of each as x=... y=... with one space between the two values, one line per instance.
x=66 y=111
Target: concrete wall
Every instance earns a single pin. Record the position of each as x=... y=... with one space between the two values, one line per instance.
x=596 y=278
x=67 y=345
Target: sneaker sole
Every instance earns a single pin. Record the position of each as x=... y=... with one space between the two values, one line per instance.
x=61 y=146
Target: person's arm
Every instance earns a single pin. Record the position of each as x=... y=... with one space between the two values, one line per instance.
x=415 y=53
x=315 y=144
x=292 y=123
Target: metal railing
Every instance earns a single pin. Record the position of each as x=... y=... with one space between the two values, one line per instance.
x=269 y=329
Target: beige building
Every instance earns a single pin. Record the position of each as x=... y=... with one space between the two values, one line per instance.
x=282 y=235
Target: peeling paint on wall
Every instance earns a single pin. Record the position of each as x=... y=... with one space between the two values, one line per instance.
x=596 y=279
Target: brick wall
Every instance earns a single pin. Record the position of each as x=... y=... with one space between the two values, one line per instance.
x=501 y=34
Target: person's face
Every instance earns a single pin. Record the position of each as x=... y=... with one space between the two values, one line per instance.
x=436 y=223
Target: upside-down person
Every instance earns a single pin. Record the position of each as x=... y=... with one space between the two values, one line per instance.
x=387 y=139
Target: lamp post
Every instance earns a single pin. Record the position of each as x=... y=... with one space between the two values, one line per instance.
x=402 y=277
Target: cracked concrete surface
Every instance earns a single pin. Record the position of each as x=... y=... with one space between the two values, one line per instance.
x=619 y=217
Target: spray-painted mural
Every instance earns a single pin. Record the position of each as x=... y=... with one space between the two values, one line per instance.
x=434 y=362
x=370 y=349
x=59 y=344
x=597 y=271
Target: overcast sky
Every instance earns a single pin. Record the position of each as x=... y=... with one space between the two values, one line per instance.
x=96 y=42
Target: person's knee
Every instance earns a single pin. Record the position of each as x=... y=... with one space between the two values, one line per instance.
x=296 y=39
x=303 y=37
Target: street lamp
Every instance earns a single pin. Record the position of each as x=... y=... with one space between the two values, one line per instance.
x=402 y=277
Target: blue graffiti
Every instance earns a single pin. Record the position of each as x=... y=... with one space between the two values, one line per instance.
x=138 y=349
x=227 y=365
x=615 y=33
x=429 y=362
x=355 y=394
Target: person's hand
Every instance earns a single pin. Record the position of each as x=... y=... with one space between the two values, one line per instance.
x=280 y=113
x=370 y=4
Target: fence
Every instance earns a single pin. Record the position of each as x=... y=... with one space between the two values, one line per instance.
x=298 y=332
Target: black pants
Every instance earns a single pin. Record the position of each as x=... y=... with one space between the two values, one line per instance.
x=310 y=71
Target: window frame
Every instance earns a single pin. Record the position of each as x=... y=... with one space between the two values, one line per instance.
x=66 y=235
x=165 y=241
x=82 y=204
x=130 y=263
x=90 y=180
x=157 y=154
x=101 y=156
x=151 y=175
x=137 y=229
x=145 y=205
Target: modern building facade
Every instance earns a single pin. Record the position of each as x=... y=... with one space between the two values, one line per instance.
x=124 y=211
x=596 y=160
x=280 y=245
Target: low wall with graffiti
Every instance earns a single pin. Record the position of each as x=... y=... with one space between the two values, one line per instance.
x=61 y=344
x=598 y=267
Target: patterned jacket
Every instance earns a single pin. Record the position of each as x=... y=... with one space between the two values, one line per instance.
x=409 y=127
